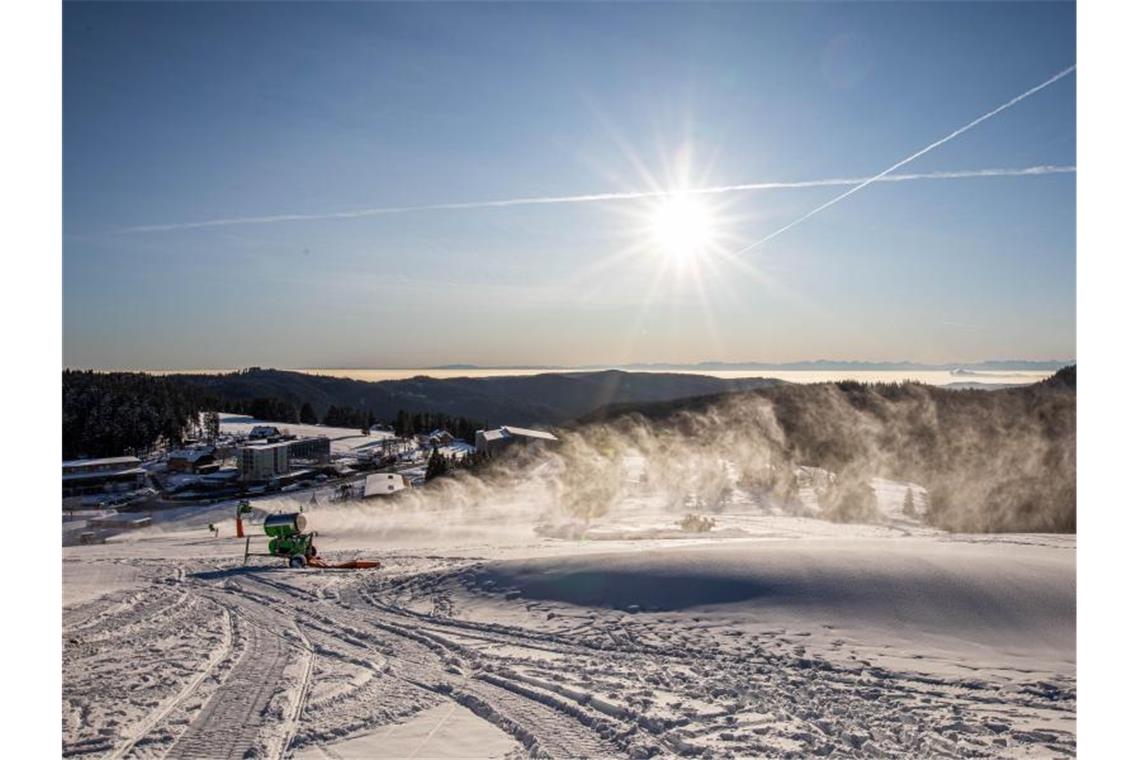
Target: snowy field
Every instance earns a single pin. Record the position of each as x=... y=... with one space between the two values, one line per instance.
x=491 y=630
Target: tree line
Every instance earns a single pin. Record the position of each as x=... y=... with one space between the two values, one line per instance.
x=410 y=423
x=348 y=417
x=117 y=413
x=126 y=413
x=265 y=408
x=405 y=424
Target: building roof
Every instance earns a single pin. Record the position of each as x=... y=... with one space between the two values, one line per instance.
x=103 y=474
x=518 y=432
x=190 y=455
x=510 y=431
x=308 y=439
x=101 y=462
x=265 y=446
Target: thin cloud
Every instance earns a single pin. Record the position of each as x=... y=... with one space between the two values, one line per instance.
x=899 y=164
x=857 y=182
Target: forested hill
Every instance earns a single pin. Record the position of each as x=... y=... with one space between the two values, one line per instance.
x=784 y=394
x=547 y=399
x=108 y=414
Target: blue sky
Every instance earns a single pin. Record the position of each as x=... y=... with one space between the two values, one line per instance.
x=185 y=113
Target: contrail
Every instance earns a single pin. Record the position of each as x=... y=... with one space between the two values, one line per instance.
x=601 y=197
x=942 y=141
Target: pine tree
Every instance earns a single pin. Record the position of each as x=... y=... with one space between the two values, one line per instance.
x=908 y=504
x=436 y=465
x=403 y=426
x=308 y=416
x=211 y=426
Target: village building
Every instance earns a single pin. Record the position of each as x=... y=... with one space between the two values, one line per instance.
x=263 y=432
x=198 y=461
x=83 y=477
x=263 y=461
x=313 y=449
x=437 y=437
x=383 y=484
x=441 y=437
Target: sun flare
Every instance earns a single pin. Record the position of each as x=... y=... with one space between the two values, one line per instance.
x=683 y=228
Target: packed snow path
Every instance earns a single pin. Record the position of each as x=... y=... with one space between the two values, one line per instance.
x=199 y=657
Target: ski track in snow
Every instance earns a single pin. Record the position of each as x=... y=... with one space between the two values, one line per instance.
x=199 y=657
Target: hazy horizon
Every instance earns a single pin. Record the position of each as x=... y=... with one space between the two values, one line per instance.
x=386 y=185
x=803 y=365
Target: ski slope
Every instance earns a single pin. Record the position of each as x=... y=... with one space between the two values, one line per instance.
x=482 y=636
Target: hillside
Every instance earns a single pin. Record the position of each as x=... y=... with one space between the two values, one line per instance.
x=548 y=399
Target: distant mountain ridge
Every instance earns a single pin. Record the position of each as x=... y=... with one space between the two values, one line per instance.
x=543 y=399
x=819 y=365
x=1064 y=379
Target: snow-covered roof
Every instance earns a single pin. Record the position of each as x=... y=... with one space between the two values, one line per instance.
x=78 y=476
x=190 y=455
x=105 y=462
x=518 y=432
x=508 y=432
x=456 y=448
x=264 y=446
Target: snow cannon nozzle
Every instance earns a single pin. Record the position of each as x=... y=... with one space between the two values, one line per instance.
x=280 y=526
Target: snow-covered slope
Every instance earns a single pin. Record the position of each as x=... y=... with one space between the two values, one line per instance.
x=482 y=632
x=341 y=440
x=1013 y=600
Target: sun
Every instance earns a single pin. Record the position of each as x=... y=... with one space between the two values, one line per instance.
x=683 y=228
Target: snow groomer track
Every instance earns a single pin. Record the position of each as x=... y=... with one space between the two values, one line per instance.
x=723 y=655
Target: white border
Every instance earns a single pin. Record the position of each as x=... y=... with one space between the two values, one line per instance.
x=1108 y=558
x=30 y=67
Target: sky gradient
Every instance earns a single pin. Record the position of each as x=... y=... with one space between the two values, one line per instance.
x=181 y=114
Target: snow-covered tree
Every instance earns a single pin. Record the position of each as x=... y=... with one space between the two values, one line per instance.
x=908 y=504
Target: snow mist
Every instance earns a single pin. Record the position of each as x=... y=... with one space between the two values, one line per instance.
x=985 y=461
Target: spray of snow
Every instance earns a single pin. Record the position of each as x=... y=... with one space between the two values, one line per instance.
x=992 y=462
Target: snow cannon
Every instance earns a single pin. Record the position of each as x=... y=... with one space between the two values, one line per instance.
x=288 y=539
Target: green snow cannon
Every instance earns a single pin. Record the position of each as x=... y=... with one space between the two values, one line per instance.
x=287 y=538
